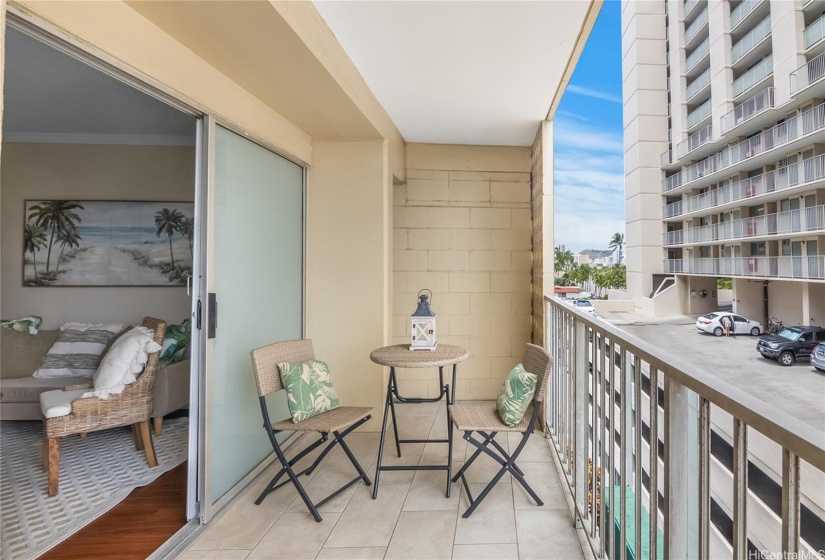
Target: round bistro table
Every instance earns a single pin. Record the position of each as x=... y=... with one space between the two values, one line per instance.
x=400 y=356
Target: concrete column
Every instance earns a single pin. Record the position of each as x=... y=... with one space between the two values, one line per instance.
x=721 y=73
x=678 y=82
x=645 y=138
x=541 y=197
x=787 y=41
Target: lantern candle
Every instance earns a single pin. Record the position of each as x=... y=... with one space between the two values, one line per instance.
x=422 y=324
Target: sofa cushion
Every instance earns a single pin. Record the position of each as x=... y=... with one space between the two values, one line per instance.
x=58 y=403
x=77 y=351
x=308 y=387
x=516 y=395
x=28 y=389
x=20 y=353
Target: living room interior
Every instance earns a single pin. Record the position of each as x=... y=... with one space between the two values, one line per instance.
x=98 y=188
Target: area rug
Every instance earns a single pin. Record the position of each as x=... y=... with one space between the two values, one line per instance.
x=96 y=473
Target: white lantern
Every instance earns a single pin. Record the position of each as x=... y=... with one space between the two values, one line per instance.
x=422 y=324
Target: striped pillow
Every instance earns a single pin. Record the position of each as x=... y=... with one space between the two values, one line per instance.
x=77 y=351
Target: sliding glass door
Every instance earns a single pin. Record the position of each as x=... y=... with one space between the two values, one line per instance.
x=253 y=295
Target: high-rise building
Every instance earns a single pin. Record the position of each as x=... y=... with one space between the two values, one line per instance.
x=725 y=155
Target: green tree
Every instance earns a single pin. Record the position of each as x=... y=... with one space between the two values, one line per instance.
x=67 y=237
x=616 y=243
x=56 y=215
x=563 y=261
x=187 y=229
x=34 y=239
x=169 y=221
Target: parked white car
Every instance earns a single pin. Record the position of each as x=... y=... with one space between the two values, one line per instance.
x=711 y=323
x=584 y=305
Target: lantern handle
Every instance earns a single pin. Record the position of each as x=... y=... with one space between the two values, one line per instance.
x=426 y=290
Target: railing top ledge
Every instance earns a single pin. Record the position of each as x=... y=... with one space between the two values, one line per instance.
x=790 y=432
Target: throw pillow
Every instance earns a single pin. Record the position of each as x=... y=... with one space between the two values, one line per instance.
x=175 y=343
x=516 y=395
x=77 y=350
x=124 y=361
x=308 y=388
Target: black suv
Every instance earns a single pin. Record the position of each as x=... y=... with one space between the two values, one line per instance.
x=790 y=344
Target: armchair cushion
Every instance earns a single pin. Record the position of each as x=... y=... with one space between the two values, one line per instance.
x=308 y=387
x=123 y=363
x=58 y=403
x=516 y=395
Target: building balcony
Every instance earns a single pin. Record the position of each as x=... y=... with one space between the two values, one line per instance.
x=699 y=24
x=753 y=38
x=753 y=76
x=698 y=54
x=698 y=138
x=749 y=108
x=808 y=74
x=786 y=267
x=689 y=6
x=700 y=114
x=772 y=185
x=792 y=223
x=667 y=158
x=698 y=85
x=743 y=10
x=782 y=135
x=815 y=32
x=636 y=435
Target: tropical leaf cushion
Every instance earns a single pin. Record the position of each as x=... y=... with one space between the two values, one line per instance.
x=308 y=388
x=175 y=343
x=516 y=395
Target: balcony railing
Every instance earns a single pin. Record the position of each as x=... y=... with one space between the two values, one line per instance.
x=699 y=114
x=701 y=82
x=701 y=136
x=694 y=28
x=809 y=73
x=667 y=158
x=803 y=268
x=788 y=177
x=697 y=55
x=781 y=223
x=815 y=32
x=742 y=11
x=751 y=107
x=753 y=76
x=792 y=129
x=753 y=38
x=631 y=427
x=689 y=6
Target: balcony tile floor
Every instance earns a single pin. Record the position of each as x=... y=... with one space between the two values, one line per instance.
x=411 y=519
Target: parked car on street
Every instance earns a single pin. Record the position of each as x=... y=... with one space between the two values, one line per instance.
x=711 y=323
x=818 y=357
x=584 y=305
x=791 y=344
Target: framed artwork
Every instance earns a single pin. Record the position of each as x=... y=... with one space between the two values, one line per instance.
x=107 y=243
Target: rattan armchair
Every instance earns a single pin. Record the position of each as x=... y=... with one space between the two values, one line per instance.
x=91 y=414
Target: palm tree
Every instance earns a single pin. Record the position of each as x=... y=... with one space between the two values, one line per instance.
x=34 y=239
x=55 y=215
x=563 y=261
x=67 y=237
x=616 y=243
x=187 y=229
x=169 y=221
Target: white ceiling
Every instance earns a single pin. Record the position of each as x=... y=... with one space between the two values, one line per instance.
x=52 y=97
x=458 y=72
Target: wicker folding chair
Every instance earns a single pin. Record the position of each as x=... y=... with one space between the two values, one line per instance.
x=339 y=422
x=484 y=419
x=91 y=414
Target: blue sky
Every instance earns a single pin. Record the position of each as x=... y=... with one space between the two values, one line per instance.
x=588 y=152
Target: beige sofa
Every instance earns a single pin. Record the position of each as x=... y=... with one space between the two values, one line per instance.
x=20 y=356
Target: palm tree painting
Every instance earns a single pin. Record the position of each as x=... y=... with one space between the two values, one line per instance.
x=107 y=243
x=616 y=243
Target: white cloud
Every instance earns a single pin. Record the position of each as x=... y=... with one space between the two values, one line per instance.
x=568 y=134
x=587 y=92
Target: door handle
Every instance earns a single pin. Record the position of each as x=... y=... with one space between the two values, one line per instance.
x=188 y=284
x=212 y=315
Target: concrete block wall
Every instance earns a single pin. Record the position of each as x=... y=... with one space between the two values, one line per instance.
x=462 y=228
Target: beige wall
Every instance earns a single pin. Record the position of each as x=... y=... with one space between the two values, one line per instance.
x=747 y=300
x=541 y=198
x=785 y=302
x=816 y=299
x=347 y=276
x=463 y=230
x=88 y=172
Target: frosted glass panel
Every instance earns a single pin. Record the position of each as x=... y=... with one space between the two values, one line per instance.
x=257 y=266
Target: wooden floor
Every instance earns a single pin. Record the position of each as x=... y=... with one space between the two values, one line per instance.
x=136 y=527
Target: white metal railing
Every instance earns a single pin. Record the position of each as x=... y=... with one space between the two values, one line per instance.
x=694 y=28
x=631 y=429
x=782 y=178
x=699 y=114
x=781 y=223
x=742 y=10
x=753 y=76
x=784 y=133
x=701 y=136
x=751 y=107
x=809 y=73
x=810 y=268
x=697 y=55
x=751 y=39
x=815 y=32
x=698 y=84
x=689 y=6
